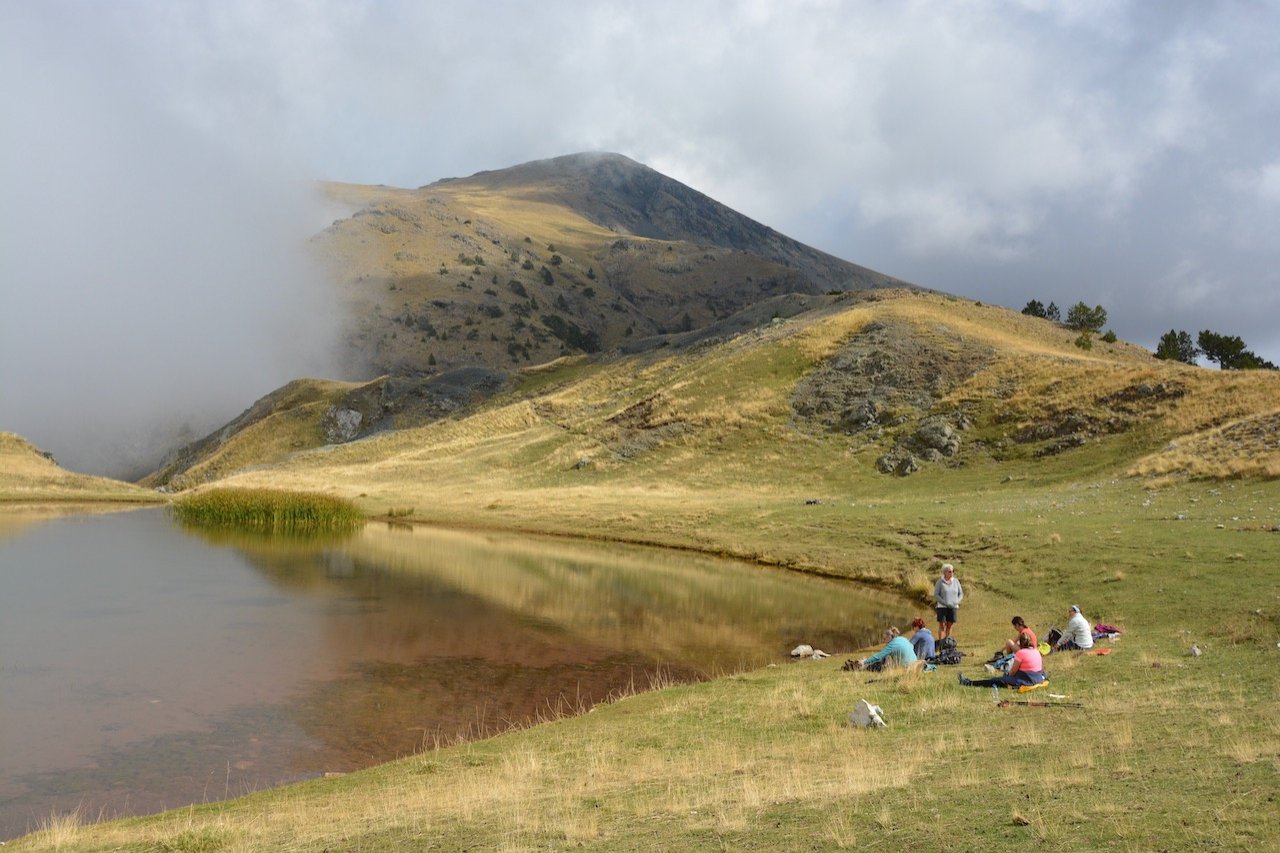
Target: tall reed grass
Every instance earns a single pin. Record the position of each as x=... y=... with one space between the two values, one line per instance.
x=268 y=511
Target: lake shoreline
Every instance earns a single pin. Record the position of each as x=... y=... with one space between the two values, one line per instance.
x=374 y=572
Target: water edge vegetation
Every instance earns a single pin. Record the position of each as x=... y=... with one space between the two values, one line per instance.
x=268 y=511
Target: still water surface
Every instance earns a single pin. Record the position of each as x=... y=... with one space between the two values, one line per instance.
x=143 y=667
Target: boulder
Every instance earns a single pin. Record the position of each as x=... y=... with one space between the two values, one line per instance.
x=896 y=463
x=859 y=416
x=340 y=425
x=937 y=434
x=867 y=715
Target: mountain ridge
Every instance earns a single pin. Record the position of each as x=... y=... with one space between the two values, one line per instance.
x=622 y=194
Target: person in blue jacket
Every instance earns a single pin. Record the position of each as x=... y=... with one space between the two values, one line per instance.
x=897 y=651
x=921 y=640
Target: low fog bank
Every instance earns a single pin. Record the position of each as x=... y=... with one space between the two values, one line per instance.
x=144 y=317
x=154 y=282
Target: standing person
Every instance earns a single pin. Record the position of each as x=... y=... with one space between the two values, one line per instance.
x=1027 y=669
x=921 y=640
x=1078 y=634
x=948 y=594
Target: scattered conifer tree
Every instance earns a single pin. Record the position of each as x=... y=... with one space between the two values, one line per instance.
x=1229 y=352
x=1082 y=318
x=1177 y=346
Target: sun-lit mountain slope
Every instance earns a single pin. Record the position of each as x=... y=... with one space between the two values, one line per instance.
x=863 y=395
x=557 y=257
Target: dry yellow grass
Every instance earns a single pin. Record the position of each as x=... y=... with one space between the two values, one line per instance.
x=716 y=398
x=28 y=476
x=730 y=405
x=1247 y=447
x=563 y=785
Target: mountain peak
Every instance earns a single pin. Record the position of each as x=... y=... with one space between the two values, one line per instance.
x=583 y=165
x=623 y=195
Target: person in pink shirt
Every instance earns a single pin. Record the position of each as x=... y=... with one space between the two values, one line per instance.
x=1025 y=670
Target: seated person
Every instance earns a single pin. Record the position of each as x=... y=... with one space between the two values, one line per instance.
x=1002 y=661
x=1078 y=634
x=921 y=640
x=1011 y=646
x=897 y=651
x=1026 y=669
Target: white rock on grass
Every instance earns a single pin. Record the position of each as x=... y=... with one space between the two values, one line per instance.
x=867 y=715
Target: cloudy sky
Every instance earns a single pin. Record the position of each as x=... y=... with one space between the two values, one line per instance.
x=156 y=158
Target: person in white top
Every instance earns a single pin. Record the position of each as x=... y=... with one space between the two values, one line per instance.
x=948 y=593
x=1078 y=634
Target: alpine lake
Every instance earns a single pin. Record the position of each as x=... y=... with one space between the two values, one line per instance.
x=144 y=667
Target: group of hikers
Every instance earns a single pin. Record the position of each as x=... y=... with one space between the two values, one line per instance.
x=1019 y=664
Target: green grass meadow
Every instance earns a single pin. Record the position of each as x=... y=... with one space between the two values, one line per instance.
x=1168 y=752
x=703 y=451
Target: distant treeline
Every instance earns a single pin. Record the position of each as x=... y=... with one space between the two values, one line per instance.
x=1227 y=351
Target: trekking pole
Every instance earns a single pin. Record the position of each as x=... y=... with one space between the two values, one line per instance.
x=1003 y=703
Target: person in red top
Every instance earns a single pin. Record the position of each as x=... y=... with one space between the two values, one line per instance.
x=1011 y=646
x=1001 y=660
x=1026 y=669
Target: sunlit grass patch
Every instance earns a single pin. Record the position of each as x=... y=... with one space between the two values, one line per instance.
x=59 y=830
x=268 y=511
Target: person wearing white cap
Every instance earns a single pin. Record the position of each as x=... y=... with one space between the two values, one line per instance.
x=1078 y=634
x=948 y=594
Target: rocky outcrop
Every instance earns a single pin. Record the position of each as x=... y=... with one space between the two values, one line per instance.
x=340 y=425
x=936 y=435
x=1065 y=429
x=886 y=378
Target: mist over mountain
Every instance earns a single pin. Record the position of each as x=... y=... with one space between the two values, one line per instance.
x=450 y=288
x=148 y=312
x=152 y=284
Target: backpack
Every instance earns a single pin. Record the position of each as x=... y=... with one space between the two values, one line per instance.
x=947 y=657
x=947 y=654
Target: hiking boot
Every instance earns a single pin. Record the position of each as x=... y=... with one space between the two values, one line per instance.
x=989 y=668
x=964 y=682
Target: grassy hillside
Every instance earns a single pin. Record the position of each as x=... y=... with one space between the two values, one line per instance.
x=289 y=419
x=1144 y=491
x=646 y=446
x=28 y=475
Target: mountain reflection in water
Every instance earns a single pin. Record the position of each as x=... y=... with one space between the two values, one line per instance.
x=226 y=664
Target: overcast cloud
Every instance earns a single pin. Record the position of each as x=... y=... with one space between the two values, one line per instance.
x=1124 y=154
